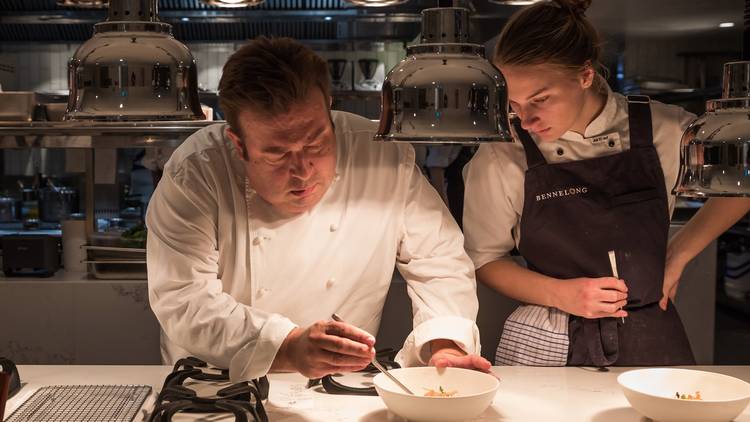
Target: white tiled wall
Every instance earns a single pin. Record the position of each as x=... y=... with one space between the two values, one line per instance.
x=35 y=66
x=210 y=58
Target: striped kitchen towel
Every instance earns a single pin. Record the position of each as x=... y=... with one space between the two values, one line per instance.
x=534 y=336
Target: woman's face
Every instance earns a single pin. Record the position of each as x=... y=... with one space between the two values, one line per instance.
x=547 y=98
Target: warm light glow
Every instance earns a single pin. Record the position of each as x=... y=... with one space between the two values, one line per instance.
x=726 y=25
x=376 y=3
x=94 y=4
x=233 y=3
x=515 y=2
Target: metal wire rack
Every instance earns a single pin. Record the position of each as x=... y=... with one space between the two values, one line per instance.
x=69 y=403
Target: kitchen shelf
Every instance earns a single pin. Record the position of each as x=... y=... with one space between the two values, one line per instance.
x=87 y=134
x=62 y=276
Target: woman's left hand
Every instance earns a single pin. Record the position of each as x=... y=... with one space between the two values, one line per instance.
x=673 y=269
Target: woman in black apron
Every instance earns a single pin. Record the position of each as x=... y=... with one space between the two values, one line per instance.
x=565 y=212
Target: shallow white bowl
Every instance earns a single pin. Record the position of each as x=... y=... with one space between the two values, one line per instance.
x=475 y=391
x=652 y=393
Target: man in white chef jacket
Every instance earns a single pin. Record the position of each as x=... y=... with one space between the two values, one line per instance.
x=261 y=228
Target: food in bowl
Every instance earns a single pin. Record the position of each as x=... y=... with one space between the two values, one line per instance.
x=651 y=392
x=440 y=392
x=474 y=392
x=684 y=396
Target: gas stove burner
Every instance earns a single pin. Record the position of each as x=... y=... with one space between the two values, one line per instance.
x=385 y=357
x=240 y=399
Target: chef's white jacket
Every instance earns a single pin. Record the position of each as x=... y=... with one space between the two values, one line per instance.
x=494 y=178
x=229 y=277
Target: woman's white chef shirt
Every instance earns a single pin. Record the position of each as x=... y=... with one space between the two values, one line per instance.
x=494 y=178
x=229 y=278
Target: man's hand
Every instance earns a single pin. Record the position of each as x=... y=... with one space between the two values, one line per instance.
x=326 y=347
x=446 y=353
x=593 y=297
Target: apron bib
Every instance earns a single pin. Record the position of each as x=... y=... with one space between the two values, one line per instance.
x=574 y=213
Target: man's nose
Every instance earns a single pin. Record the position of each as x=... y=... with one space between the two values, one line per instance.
x=301 y=165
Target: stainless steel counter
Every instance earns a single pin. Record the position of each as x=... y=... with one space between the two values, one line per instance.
x=79 y=134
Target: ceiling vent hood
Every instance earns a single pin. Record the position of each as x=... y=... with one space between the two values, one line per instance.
x=133 y=69
x=444 y=91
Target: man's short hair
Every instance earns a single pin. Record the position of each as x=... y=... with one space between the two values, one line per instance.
x=268 y=75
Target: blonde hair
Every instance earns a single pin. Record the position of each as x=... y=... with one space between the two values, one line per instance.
x=551 y=32
x=268 y=75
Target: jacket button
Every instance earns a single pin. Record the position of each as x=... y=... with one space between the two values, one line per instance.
x=333 y=227
x=611 y=143
x=259 y=239
x=560 y=151
x=331 y=281
x=262 y=292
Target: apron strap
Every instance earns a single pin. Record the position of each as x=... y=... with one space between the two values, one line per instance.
x=534 y=157
x=639 y=119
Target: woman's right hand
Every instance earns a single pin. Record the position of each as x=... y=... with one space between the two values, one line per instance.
x=593 y=297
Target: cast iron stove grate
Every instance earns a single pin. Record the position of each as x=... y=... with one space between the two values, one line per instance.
x=243 y=399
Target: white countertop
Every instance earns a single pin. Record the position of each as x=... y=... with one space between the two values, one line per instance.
x=525 y=394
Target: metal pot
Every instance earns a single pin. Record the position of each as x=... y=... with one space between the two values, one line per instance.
x=57 y=203
x=7 y=209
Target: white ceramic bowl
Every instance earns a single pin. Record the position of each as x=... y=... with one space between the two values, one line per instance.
x=474 y=393
x=652 y=393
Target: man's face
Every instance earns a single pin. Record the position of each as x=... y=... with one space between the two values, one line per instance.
x=547 y=99
x=291 y=157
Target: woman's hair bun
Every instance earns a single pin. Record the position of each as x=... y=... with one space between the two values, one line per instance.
x=576 y=7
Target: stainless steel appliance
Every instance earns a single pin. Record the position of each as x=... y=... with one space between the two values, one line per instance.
x=341 y=74
x=369 y=75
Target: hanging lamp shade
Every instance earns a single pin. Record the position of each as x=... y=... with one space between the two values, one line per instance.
x=715 y=148
x=444 y=91
x=132 y=68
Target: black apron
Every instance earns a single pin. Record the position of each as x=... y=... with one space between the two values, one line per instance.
x=575 y=212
